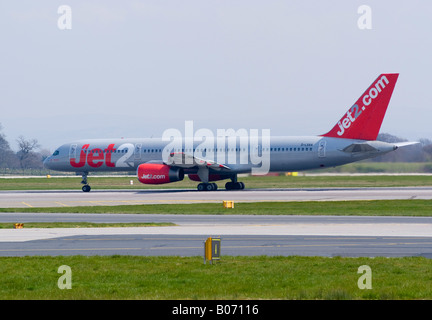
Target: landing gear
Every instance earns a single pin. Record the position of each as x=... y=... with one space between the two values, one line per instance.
x=203 y=174
x=86 y=187
x=234 y=184
x=207 y=187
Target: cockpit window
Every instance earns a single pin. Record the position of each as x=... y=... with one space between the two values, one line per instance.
x=56 y=153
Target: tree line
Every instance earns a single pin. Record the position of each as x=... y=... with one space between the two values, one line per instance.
x=29 y=154
x=421 y=152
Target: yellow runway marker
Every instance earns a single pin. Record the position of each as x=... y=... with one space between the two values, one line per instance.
x=28 y=205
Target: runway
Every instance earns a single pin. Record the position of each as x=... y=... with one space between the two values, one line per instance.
x=241 y=235
x=22 y=199
x=232 y=245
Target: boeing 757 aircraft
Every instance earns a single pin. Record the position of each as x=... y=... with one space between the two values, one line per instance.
x=168 y=159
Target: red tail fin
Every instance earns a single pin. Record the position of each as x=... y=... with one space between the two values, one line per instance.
x=363 y=120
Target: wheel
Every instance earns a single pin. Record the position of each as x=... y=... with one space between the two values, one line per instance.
x=200 y=187
x=86 y=188
x=210 y=186
x=234 y=186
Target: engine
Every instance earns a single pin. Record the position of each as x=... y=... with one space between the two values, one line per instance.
x=154 y=173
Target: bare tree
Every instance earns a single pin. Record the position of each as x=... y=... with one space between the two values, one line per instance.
x=26 y=153
x=7 y=156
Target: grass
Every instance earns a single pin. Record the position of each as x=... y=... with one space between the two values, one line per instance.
x=72 y=183
x=261 y=277
x=411 y=207
x=28 y=225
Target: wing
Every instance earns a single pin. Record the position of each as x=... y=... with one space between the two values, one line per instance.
x=185 y=160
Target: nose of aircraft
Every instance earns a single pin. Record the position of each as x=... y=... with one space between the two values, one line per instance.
x=47 y=163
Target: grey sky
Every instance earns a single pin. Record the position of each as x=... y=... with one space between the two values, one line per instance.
x=136 y=68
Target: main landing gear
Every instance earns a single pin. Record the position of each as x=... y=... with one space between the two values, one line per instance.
x=86 y=187
x=232 y=185
x=207 y=187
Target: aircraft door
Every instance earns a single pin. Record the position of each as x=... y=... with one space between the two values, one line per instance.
x=72 y=151
x=321 y=148
x=137 y=151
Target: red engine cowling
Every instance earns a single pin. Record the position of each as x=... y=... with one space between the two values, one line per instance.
x=212 y=177
x=154 y=173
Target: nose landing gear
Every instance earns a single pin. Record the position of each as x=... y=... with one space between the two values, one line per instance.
x=86 y=187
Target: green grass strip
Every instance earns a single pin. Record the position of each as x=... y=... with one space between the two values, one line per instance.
x=411 y=207
x=260 y=277
x=73 y=183
x=84 y=225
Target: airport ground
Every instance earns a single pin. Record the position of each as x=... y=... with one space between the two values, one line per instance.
x=299 y=277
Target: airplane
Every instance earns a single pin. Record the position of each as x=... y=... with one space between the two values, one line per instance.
x=160 y=161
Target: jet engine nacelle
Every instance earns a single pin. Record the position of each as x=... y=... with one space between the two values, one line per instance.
x=154 y=173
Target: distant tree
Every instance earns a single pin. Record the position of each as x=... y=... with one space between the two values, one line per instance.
x=386 y=137
x=412 y=153
x=427 y=149
x=425 y=142
x=7 y=156
x=26 y=155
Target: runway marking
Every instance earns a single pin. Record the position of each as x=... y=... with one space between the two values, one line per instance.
x=97 y=239
x=293 y=246
x=28 y=205
x=170 y=248
x=200 y=247
x=127 y=239
x=62 y=204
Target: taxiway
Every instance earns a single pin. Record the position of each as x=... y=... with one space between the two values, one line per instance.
x=241 y=235
x=22 y=199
